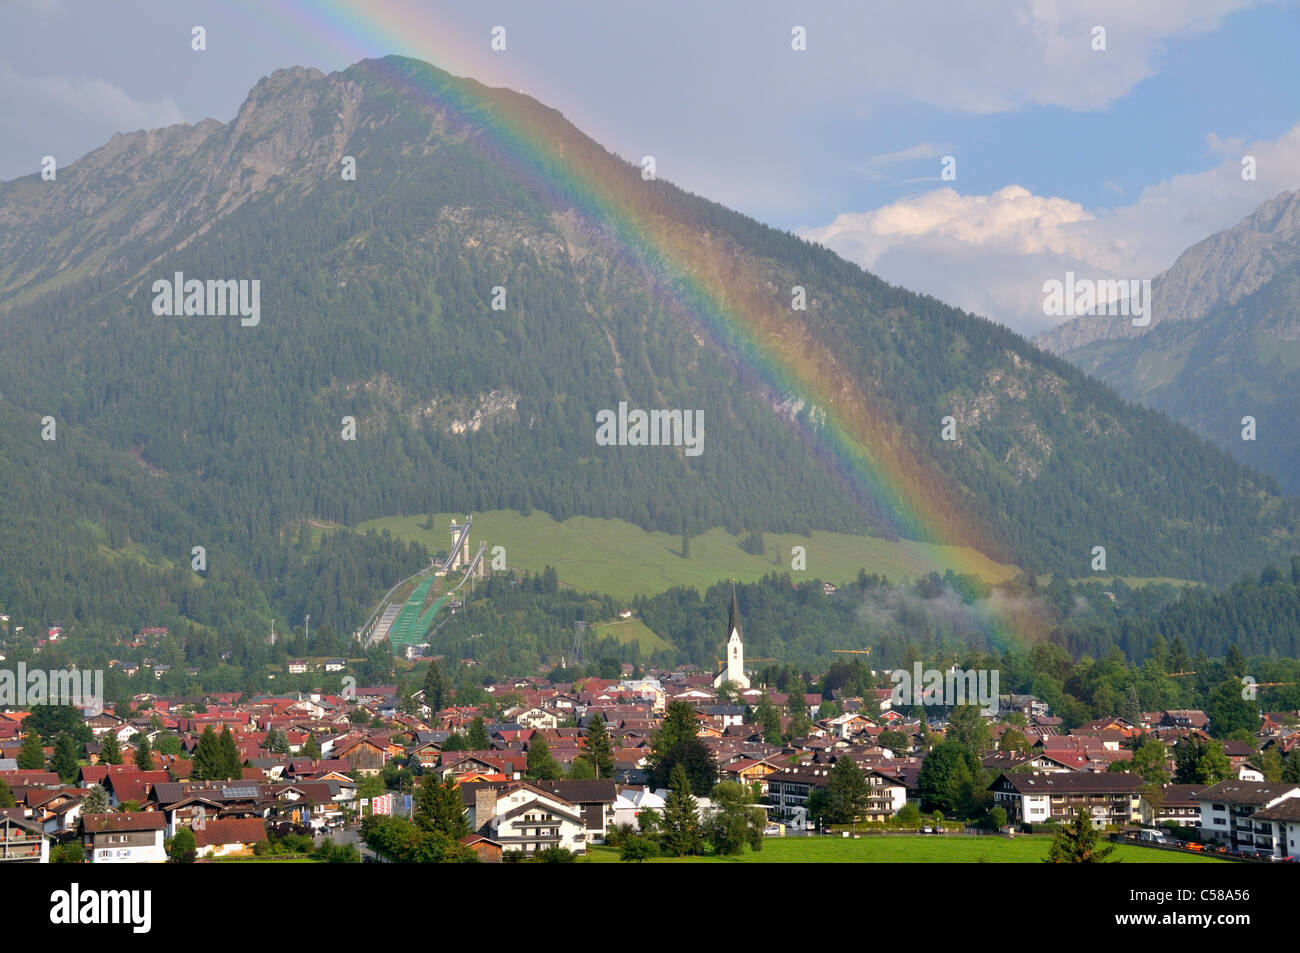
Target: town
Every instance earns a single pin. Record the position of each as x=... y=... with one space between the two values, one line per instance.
x=676 y=763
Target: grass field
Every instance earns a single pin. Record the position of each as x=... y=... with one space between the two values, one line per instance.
x=633 y=630
x=623 y=560
x=889 y=849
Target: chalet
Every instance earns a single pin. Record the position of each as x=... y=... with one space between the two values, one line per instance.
x=134 y=837
x=1249 y=816
x=594 y=800
x=749 y=770
x=1108 y=799
x=788 y=791
x=21 y=840
x=1285 y=818
x=1185 y=718
x=1176 y=803
x=363 y=755
x=229 y=837
x=521 y=816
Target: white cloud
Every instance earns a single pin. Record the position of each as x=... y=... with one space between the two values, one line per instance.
x=1038 y=52
x=990 y=254
x=91 y=101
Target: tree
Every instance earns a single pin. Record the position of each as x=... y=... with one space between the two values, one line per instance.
x=1013 y=739
x=909 y=815
x=69 y=853
x=439 y=808
x=555 y=854
x=694 y=757
x=998 y=818
x=895 y=740
x=65 y=757
x=680 y=822
x=232 y=765
x=1150 y=761
x=1196 y=762
x=677 y=743
x=143 y=753
x=6 y=794
x=735 y=821
x=1229 y=712
x=818 y=806
x=950 y=778
x=183 y=848
x=311 y=748
x=848 y=792
x=110 y=752
x=1291 y=767
x=599 y=749
x=31 y=755
x=207 y=765
x=767 y=716
x=686 y=541
x=966 y=725
x=435 y=687
x=1077 y=843
x=50 y=720
x=541 y=765
x=638 y=847
x=477 y=737
x=95 y=800
x=797 y=705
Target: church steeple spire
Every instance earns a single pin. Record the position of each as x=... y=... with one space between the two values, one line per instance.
x=733 y=616
x=734 y=670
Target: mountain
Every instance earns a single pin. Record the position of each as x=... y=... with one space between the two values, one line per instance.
x=376 y=306
x=1223 y=342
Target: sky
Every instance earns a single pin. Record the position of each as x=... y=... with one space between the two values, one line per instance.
x=1106 y=162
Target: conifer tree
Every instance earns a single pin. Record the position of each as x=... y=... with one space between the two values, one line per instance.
x=31 y=755
x=1077 y=843
x=681 y=820
x=110 y=752
x=143 y=753
x=599 y=750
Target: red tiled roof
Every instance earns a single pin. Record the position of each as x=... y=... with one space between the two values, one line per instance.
x=231 y=830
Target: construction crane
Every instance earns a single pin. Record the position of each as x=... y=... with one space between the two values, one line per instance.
x=853 y=651
x=748 y=659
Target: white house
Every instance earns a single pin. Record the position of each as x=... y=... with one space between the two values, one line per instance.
x=130 y=837
x=521 y=816
x=632 y=801
x=1253 y=817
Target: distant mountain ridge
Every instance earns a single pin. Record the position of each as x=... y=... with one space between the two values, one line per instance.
x=1216 y=272
x=1223 y=343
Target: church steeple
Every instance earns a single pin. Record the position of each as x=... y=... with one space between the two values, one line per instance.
x=734 y=669
x=733 y=616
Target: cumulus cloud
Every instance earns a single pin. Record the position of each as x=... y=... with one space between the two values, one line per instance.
x=990 y=254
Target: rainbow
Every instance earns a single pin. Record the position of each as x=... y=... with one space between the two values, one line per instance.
x=717 y=289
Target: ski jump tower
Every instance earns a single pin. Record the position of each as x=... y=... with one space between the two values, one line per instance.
x=460 y=557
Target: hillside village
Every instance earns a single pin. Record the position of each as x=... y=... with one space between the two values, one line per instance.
x=553 y=768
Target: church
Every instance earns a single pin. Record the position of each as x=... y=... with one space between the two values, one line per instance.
x=734 y=669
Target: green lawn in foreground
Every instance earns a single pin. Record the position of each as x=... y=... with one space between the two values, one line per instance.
x=888 y=849
x=621 y=559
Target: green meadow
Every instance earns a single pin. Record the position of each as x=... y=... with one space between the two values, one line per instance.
x=623 y=560
x=901 y=849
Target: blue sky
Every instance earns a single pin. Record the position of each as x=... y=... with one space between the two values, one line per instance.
x=1108 y=162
